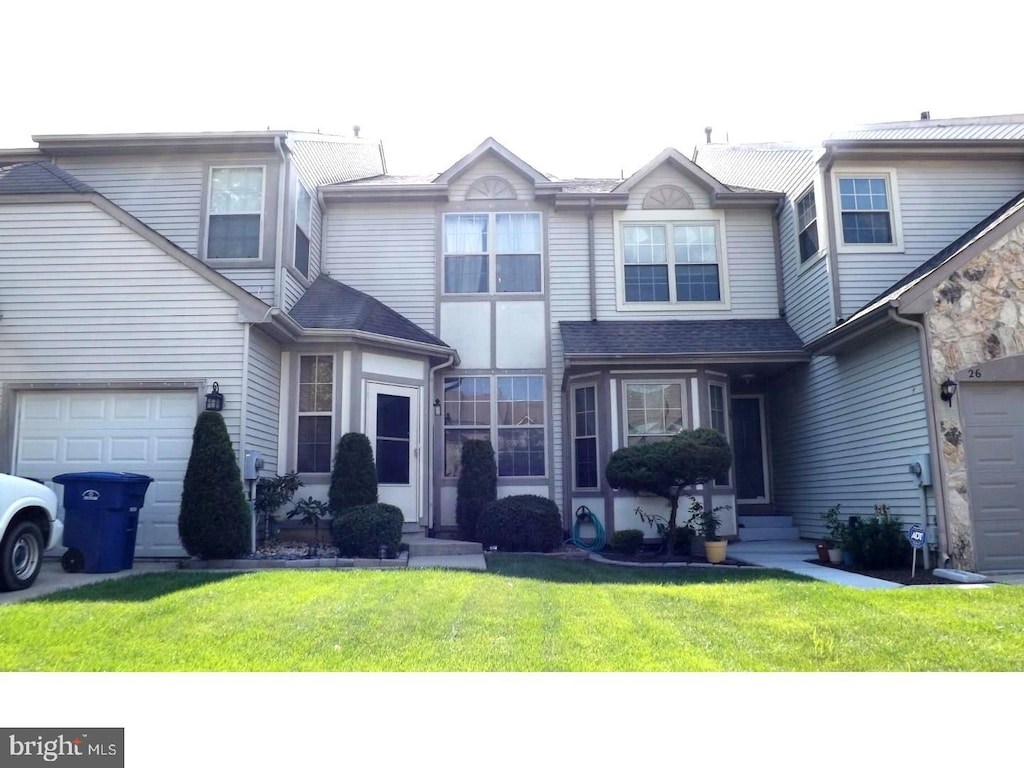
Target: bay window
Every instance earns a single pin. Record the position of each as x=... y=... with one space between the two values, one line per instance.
x=316 y=413
x=584 y=437
x=654 y=411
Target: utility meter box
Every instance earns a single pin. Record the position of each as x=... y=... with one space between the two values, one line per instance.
x=921 y=468
x=252 y=465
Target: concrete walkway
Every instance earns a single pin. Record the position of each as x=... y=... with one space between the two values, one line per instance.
x=791 y=556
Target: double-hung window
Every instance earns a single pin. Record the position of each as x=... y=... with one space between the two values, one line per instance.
x=807 y=226
x=234 y=223
x=671 y=262
x=492 y=253
x=303 y=227
x=654 y=411
x=316 y=413
x=867 y=210
x=508 y=411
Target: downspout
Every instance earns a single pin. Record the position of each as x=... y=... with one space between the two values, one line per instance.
x=432 y=426
x=278 y=300
x=592 y=263
x=832 y=258
x=933 y=443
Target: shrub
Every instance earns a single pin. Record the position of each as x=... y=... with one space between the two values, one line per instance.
x=354 y=476
x=478 y=486
x=628 y=541
x=215 y=520
x=879 y=542
x=525 y=523
x=310 y=511
x=360 y=531
x=272 y=493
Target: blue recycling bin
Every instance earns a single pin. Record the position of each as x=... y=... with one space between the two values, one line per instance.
x=101 y=519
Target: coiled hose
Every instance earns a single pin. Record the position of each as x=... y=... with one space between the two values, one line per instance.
x=584 y=515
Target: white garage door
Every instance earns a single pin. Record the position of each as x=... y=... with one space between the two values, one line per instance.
x=147 y=432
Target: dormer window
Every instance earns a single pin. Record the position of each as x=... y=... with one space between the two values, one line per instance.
x=303 y=227
x=671 y=262
x=235 y=213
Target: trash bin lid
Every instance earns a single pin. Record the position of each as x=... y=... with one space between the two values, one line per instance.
x=103 y=477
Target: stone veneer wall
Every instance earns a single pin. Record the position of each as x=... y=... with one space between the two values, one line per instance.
x=977 y=316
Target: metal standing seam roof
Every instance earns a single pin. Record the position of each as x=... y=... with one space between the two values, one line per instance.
x=679 y=337
x=330 y=305
x=774 y=167
x=39 y=178
x=323 y=161
x=996 y=128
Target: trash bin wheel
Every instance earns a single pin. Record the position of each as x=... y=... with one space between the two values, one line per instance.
x=73 y=561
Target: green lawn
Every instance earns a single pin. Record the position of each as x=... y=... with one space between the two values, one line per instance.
x=527 y=613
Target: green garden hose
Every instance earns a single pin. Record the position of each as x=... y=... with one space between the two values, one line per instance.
x=584 y=515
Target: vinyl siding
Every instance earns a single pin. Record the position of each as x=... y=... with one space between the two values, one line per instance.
x=490 y=166
x=293 y=289
x=166 y=195
x=569 y=281
x=939 y=201
x=750 y=260
x=844 y=428
x=164 y=322
x=387 y=251
x=258 y=282
x=264 y=380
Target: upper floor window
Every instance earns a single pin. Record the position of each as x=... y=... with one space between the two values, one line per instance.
x=492 y=253
x=235 y=213
x=867 y=210
x=303 y=227
x=671 y=262
x=316 y=413
x=807 y=226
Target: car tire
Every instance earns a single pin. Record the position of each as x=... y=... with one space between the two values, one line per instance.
x=21 y=556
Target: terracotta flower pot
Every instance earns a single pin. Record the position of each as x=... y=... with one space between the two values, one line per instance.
x=822 y=550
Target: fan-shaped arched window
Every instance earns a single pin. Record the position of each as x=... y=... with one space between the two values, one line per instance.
x=490 y=188
x=667 y=196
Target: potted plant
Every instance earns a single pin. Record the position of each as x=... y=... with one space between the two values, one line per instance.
x=836 y=535
x=708 y=523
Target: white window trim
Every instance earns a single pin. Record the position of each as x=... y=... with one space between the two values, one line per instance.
x=306 y=227
x=686 y=393
x=494 y=427
x=334 y=404
x=593 y=384
x=209 y=204
x=694 y=217
x=892 y=187
x=492 y=254
x=819 y=218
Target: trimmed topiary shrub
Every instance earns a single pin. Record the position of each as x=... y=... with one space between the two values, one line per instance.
x=360 y=531
x=478 y=486
x=354 y=477
x=628 y=542
x=524 y=523
x=214 y=522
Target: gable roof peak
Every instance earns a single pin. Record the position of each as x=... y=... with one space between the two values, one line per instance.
x=674 y=157
x=492 y=146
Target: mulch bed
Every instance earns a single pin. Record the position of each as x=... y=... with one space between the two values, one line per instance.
x=897 y=575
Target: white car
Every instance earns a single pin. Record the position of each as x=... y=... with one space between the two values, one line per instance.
x=28 y=527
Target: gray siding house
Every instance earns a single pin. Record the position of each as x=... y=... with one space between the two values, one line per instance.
x=813 y=303
x=900 y=243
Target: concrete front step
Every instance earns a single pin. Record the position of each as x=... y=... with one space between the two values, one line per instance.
x=421 y=546
x=767 y=528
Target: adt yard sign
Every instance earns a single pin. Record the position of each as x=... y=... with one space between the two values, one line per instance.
x=916 y=536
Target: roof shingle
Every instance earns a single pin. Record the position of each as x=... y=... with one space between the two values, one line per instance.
x=679 y=337
x=39 y=178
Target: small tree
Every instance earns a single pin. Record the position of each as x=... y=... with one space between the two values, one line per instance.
x=478 y=486
x=354 y=477
x=215 y=520
x=667 y=469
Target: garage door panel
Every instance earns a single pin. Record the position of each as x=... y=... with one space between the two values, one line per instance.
x=138 y=431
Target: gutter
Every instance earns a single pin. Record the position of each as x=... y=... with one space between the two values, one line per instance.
x=839 y=336
x=938 y=489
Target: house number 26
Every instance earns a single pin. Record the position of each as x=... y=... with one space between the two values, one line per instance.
x=973 y=373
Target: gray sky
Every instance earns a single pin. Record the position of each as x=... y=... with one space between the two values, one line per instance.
x=574 y=88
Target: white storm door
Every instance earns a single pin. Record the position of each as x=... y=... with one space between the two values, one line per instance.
x=392 y=425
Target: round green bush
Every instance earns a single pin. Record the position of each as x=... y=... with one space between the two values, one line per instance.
x=628 y=541
x=360 y=531
x=214 y=520
x=524 y=523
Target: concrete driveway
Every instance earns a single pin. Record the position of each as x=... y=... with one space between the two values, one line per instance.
x=53 y=578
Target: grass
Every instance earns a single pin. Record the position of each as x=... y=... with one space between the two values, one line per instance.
x=525 y=614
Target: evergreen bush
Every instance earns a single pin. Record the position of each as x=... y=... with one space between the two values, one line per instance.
x=628 y=541
x=525 y=523
x=354 y=476
x=478 y=486
x=360 y=531
x=214 y=522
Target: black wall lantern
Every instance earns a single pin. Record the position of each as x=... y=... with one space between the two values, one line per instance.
x=948 y=389
x=437 y=407
x=214 y=399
